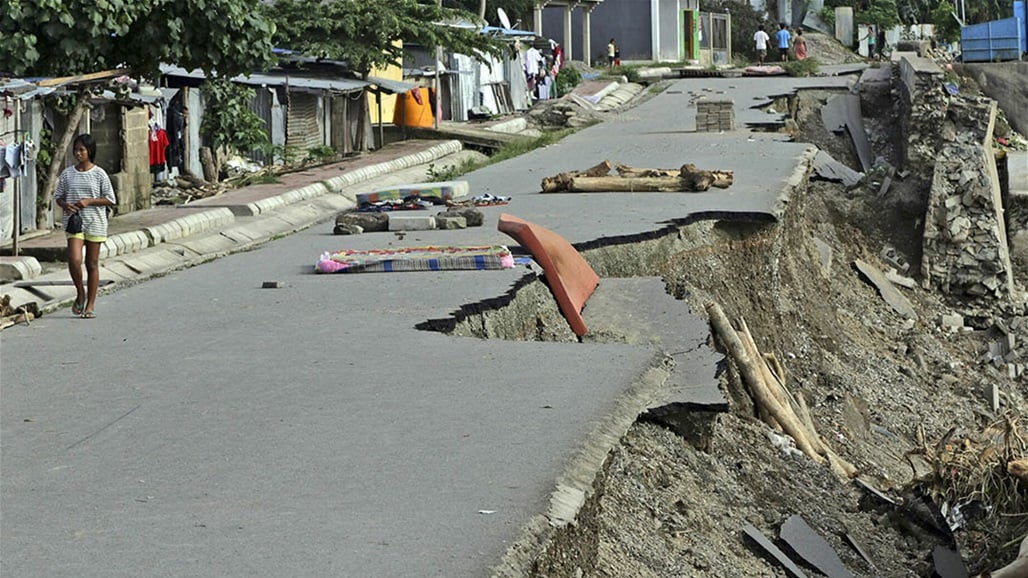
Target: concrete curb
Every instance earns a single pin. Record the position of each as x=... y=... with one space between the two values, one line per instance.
x=337 y=184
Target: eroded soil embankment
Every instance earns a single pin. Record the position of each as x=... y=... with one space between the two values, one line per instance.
x=879 y=387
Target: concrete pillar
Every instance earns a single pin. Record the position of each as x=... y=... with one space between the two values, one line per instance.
x=567 y=31
x=587 y=35
x=655 y=30
x=537 y=18
x=844 y=25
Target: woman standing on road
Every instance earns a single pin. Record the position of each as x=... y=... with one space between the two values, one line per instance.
x=85 y=189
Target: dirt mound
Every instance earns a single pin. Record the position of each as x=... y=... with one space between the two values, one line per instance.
x=827 y=50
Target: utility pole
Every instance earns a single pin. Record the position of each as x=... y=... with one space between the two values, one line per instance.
x=438 y=94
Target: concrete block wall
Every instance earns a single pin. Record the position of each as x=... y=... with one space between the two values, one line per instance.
x=138 y=181
x=715 y=115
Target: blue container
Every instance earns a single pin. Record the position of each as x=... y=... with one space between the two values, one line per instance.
x=993 y=41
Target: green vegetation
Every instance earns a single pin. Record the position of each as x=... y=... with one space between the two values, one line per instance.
x=320 y=154
x=372 y=33
x=507 y=152
x=808 y=67
x=229 y=124
x=567 y=79
x=947 y=29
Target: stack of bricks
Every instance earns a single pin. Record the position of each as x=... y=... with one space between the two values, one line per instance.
x=715 y=115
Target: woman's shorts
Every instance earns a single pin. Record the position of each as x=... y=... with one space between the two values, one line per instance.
x=85 y=237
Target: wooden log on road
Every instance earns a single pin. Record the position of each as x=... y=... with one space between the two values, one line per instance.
x=560 y=181
x=721 y=179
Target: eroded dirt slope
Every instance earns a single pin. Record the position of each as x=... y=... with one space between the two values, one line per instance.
x=883 y=391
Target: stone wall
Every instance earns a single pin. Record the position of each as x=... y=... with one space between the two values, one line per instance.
x=924 y=105
x=965 y=251
x=947 y=138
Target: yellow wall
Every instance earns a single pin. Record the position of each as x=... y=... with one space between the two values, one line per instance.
x=393 y=72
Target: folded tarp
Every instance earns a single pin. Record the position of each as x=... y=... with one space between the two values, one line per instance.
x=416 y=259
x=442 y=191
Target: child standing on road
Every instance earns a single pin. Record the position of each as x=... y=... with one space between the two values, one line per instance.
x=85 y=189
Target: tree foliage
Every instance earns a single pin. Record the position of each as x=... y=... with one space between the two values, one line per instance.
x=58 y=37
x=228 y=121
x=515 y=9
x=947 y=28
x=365 y=32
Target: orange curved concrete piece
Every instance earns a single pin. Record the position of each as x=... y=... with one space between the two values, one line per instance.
x=570 y=277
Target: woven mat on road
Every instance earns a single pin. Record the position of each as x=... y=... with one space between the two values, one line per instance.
x=416 y=259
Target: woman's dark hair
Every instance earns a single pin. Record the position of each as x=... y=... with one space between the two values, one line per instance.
x=88 y=142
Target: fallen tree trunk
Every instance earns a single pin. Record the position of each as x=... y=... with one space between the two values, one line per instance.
x=776 y=405
x=752 y=376
x=721 y=179
x=560 y=181
x=631 y=180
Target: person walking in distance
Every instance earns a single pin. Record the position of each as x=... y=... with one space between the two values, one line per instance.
x=799 y=46
x=611 y=51
x=85 y=190
x=760 y=41
x=783 y=37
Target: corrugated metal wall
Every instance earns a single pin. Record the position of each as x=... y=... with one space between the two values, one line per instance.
x=303 y=131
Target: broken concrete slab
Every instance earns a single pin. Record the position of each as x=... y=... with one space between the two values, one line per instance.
x=411 y=222
x=812 y=548
x=948 y=563
x=472 y=216
x=769 y=547
x=900 y=280
x=842 y=112
x=832 y=170
x=639 y=311
x=899 y=303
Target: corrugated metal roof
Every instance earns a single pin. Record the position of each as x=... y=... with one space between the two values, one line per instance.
x=23 y=90
x=294 y=81
x=390 y=85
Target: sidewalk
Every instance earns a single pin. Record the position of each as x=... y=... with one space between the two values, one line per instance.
x=147 y=242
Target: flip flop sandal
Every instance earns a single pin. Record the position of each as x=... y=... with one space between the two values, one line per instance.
x=88 y=315
x=77 y=308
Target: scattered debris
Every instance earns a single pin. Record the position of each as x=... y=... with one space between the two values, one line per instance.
x=765 y=378
x=635 y=180
x=10 y=316
x=1016 y=569
x=899 y=303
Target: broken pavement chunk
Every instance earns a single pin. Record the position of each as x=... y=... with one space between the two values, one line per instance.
x=762 y=541
x=368 y=222
x=829 y=169
x=899 y=303
x=812 y=548
x=948 y=563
